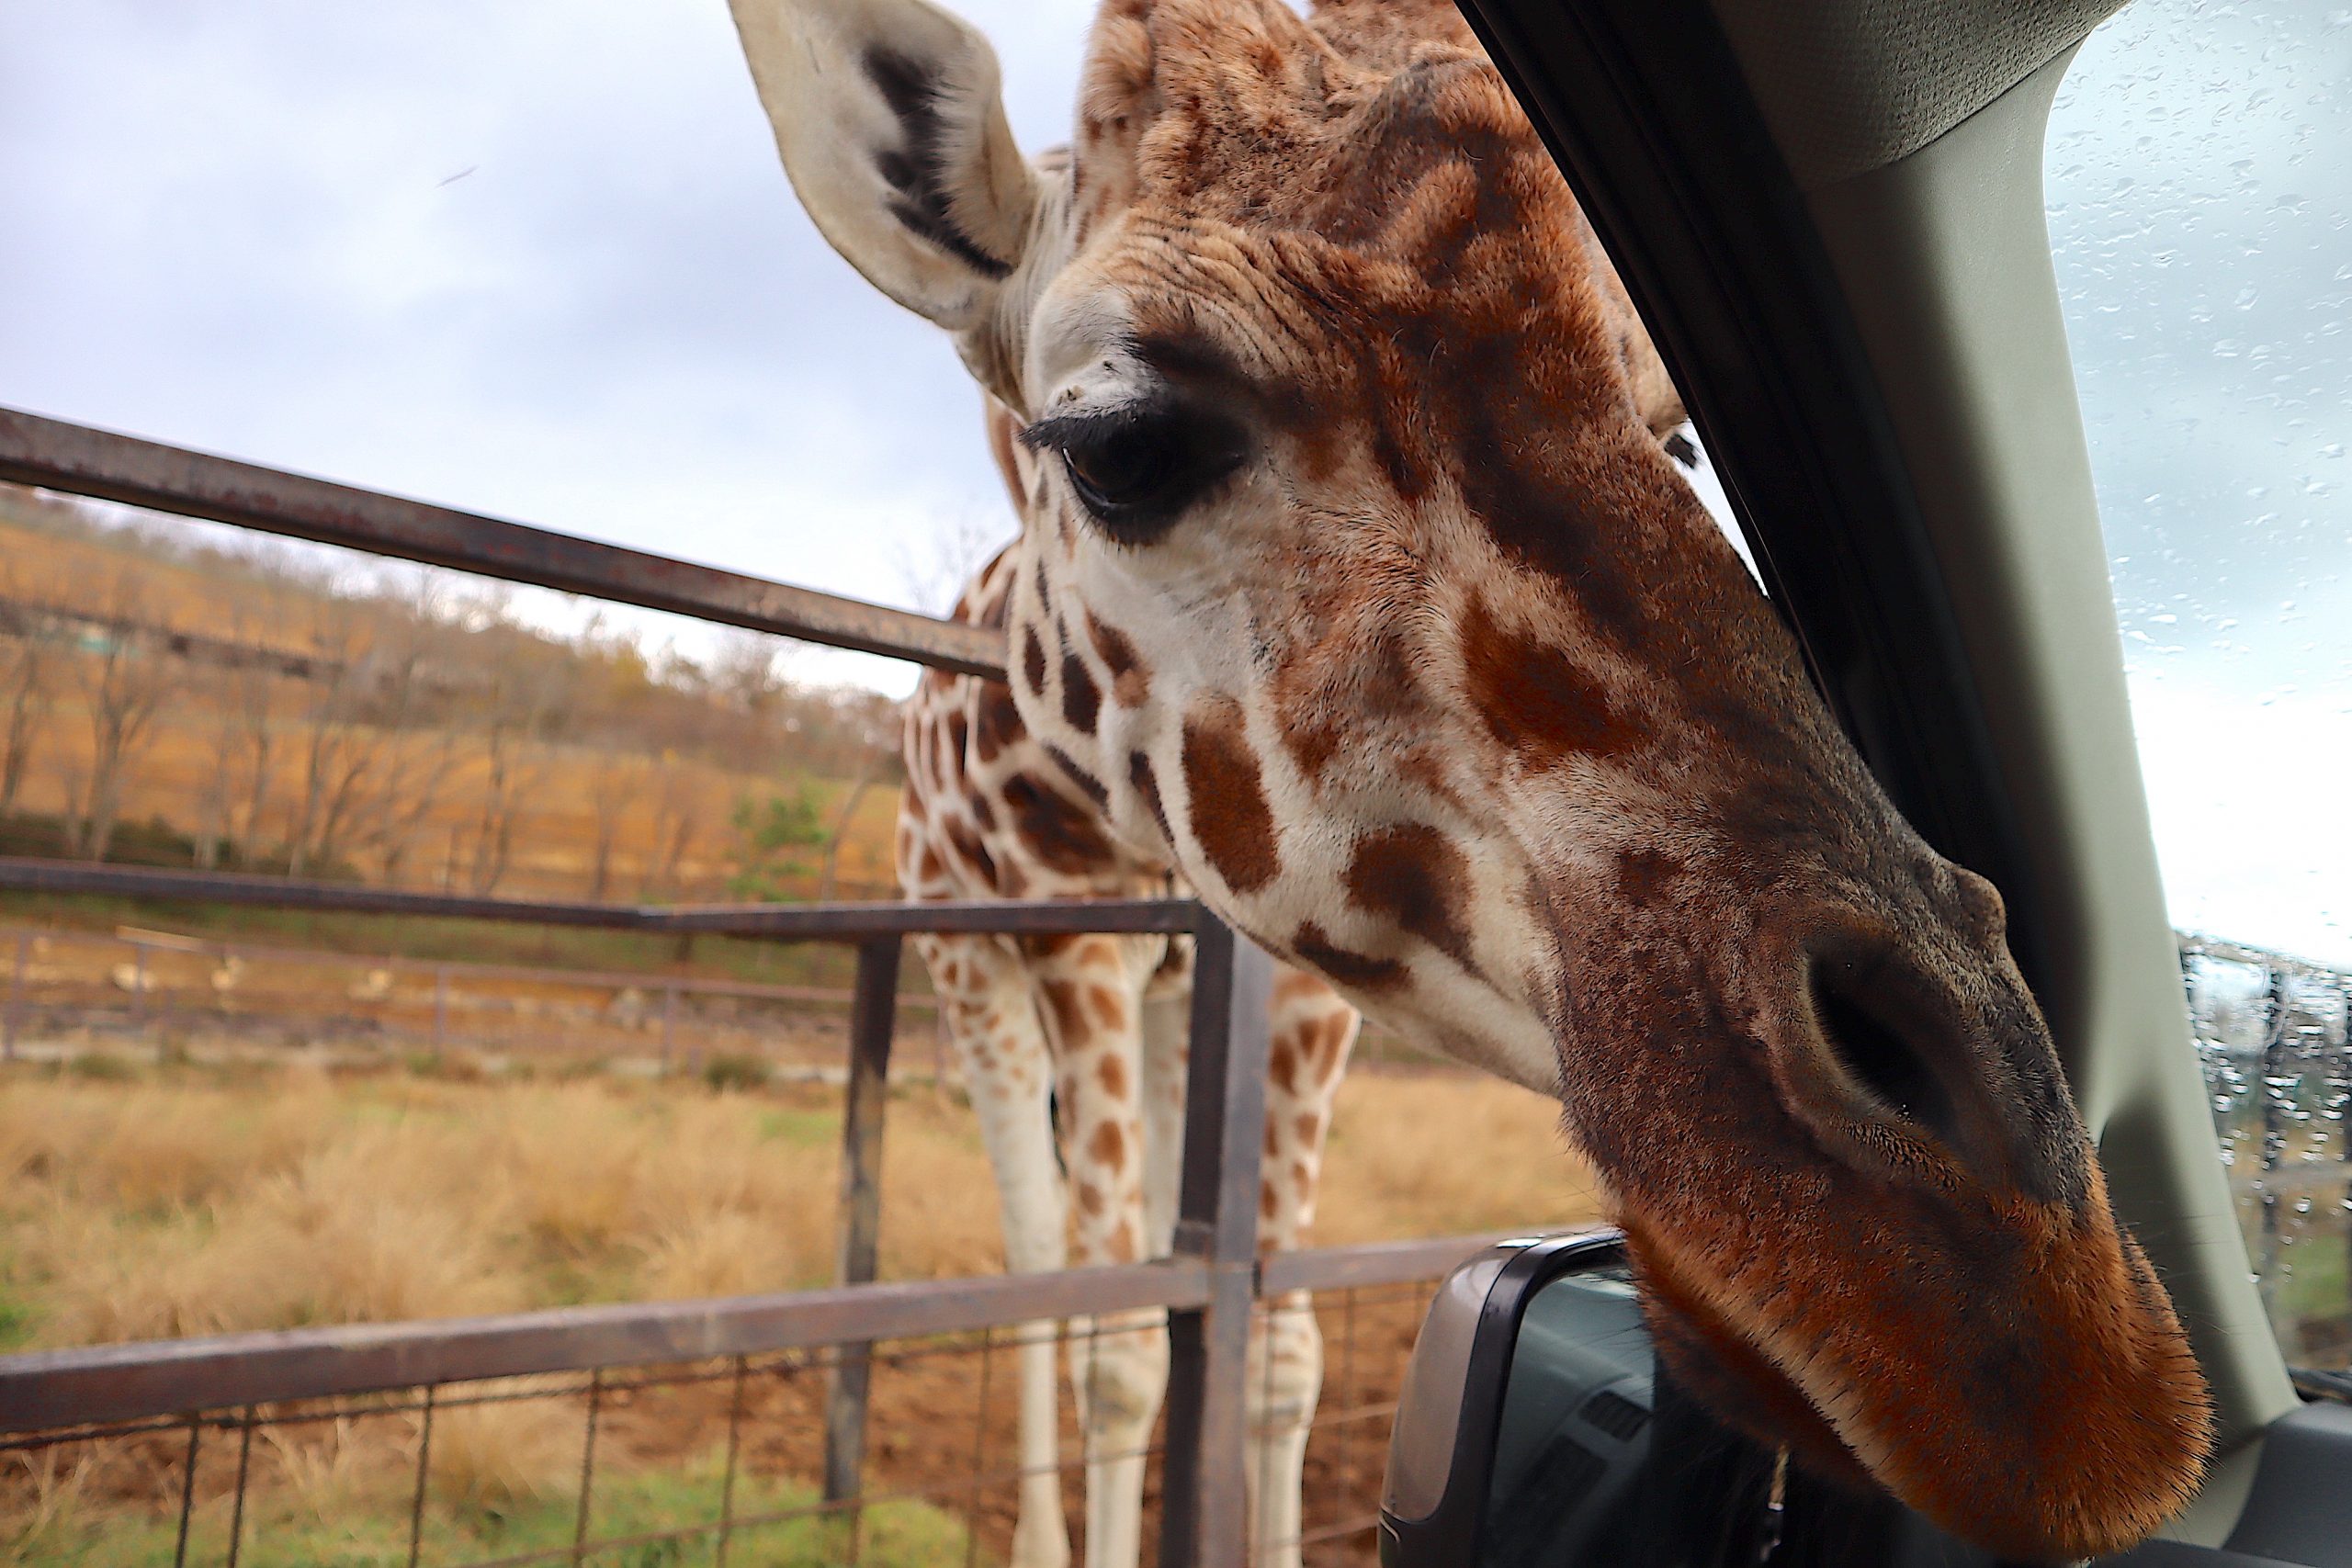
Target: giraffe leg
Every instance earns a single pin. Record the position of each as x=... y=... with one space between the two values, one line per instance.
x=1090 y=991
x=1166 y=1056
x=991 y=1019
x=1313 y=1031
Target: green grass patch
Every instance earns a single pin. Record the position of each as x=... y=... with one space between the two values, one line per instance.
x=801 y=1129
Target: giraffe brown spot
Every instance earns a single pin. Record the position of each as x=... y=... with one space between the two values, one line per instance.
x=1418 y=877
x=1112 y=1071
x=974 y=854
x=1267 y=1202
x=1062 y=1006
x=983 y=809
x=1315 y=949
x=930 y=868
x=1090 y=1199
x=957 y=733
x=1335 y=1053
x=1310 y=1127
x=1011 y=882
x=1108 y=1146
x=1226 y=798
x=1535 y=700
x=997 y=724
x=1312 y=744
x=1642 y=875
x=1110 y=1011
x=1051 y=945
x=1121 y=1246
x=1032 y=661
x=1282 y=1066
x=1081 y=698
x=1130 y=681
x=1145 y=783
x=1059 y=834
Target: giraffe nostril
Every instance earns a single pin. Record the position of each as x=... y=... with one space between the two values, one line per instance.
x=1875 y=1052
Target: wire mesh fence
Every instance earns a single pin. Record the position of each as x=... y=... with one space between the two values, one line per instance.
x=713 y=1461
x=2275 y=1036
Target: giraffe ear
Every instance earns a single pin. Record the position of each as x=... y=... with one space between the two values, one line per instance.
x=888 y=117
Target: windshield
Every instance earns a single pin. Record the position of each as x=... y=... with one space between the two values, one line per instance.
x=2202 y=228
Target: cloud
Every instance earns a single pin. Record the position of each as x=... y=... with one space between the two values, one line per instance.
x=235 y=228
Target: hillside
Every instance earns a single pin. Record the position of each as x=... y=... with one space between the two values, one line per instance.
x=174 y=693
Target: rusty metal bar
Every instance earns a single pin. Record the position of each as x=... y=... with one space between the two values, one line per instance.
x=82 y=461
x=43 y=1390
x=47 y=1390
x=1204 y=1517
x=788 y=923
x=1377 y=1263
x=873 y=1019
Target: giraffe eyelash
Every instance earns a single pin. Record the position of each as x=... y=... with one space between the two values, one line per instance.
x=1138 y=467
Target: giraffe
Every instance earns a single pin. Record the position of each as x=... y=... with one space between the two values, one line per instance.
x=1074 y=1051
x=1420 y=659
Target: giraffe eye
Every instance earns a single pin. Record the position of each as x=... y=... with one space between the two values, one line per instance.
x=1136 y=469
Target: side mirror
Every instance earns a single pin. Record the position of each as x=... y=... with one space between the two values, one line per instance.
x=1536 y=1430
x=1500 y=1457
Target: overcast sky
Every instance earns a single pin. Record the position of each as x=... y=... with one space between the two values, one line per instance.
x=536 y=258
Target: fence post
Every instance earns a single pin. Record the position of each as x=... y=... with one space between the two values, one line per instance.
x=2273 y=1069
x=872 y=1018
x=15 y=996
x=1204 y=1520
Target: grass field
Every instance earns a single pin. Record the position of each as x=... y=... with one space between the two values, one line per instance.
x=190 y=1201
x=185 y=1199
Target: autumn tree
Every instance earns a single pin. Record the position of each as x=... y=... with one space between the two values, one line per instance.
x=29 y=653
x=617 y=784
x=124 y=681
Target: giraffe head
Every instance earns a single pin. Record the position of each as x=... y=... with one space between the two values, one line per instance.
x=1355 y=578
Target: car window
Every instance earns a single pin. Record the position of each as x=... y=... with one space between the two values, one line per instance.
x=2202 y=227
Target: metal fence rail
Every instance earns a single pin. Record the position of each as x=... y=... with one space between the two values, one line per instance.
x=110 y=1385
x=1210 y=1290
x=738 y=1403
x=81 y=461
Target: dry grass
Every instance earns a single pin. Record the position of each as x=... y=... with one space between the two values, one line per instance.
x=185 y=1201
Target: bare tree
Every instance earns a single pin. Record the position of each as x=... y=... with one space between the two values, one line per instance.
x=27 y=658
x=340 y=747
x=616 y=783
x=681 y=809
x=528 y=695
x=936 y=574
x=252 y=693
x=124 y=682
x=421 y=740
